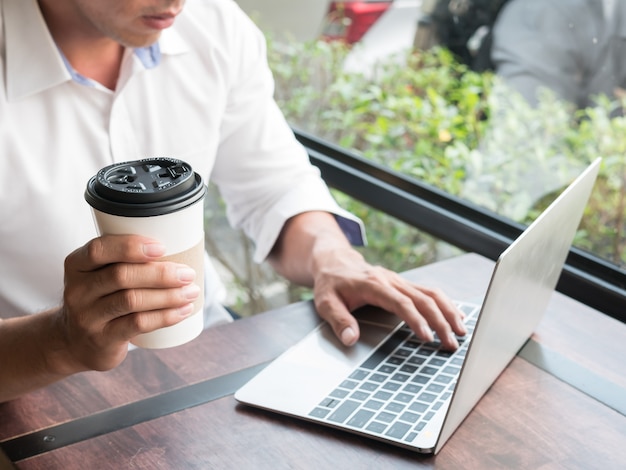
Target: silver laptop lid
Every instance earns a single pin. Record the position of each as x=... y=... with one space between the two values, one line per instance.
x=522 y=283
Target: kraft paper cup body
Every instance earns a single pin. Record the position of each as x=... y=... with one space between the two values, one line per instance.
x=182 y=233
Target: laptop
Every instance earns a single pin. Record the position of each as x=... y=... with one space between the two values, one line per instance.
x=391 y=386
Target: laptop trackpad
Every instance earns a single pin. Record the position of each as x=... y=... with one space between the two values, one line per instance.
x=335 y=355
x=319 y=362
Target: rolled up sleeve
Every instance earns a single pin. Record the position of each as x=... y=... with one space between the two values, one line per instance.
x=263 y=173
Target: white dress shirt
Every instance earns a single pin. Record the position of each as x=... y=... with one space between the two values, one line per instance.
x=203 y=94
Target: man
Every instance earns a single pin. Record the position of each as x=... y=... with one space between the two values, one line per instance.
x=574 y=48
x=91 y=82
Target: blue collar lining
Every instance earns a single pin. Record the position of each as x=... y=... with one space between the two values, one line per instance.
x=149 y=56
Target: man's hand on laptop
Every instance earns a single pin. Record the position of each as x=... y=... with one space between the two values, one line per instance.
x=312 y=250
x=346 y=282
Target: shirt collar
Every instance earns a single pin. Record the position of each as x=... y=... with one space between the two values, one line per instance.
x=34 y=63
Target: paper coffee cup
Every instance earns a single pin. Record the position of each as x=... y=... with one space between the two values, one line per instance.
x=160 y=198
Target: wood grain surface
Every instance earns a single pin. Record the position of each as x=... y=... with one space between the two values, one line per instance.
x=528 y=419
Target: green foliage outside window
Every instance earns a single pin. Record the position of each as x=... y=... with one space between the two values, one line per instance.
x=429 y=117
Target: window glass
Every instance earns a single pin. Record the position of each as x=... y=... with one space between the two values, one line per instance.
x=500 y=102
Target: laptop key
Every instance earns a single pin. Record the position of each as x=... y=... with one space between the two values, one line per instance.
x=443 y=379
x=338 y=393
x=435 y=388
x=403 y=352
x=369 y=386
x=398 y=430
x=376 y=427
x=410 y=417
x=394 y=407
x=386 y=369
x=425 y=352
x=393 y=386
x=437 y=362
x=382 y=395
x=420 y=379
x=360 y=418
x=343 y=411
x=319 y=413
x=373 y=404
x=400 y=377
x=413 y=342
x=416 y=360
x=429 y=370
x=359 y=396
x=408 y=368
x=359 y=374
x=386 y=417
x=329 y=402
x=427 y=397
x=418 y=407
x=378 y=378
x=420 y=425
x=349 y=384
x=404 y=397
x=451 y=370
x=412 y=388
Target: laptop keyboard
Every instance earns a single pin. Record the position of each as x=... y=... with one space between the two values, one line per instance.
x=399 y=387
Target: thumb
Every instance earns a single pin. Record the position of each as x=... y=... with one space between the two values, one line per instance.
x=344 y=325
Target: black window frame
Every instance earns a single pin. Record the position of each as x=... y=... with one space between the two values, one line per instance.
x=585 y=277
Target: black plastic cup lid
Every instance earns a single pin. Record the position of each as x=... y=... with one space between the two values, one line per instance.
x=145 y=188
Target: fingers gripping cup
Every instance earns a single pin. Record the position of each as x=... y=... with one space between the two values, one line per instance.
x=160 y=198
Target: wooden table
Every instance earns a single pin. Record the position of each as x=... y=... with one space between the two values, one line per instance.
x=561 y=404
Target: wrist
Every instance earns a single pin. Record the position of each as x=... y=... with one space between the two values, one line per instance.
x=33 y=354
x=332 y=253
x=58 y=355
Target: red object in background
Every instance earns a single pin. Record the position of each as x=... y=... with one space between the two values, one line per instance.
x=349 y=21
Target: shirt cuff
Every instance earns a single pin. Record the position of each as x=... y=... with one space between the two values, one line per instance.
x=352 y=226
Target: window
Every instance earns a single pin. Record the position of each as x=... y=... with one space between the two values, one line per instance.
x=460 y=104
